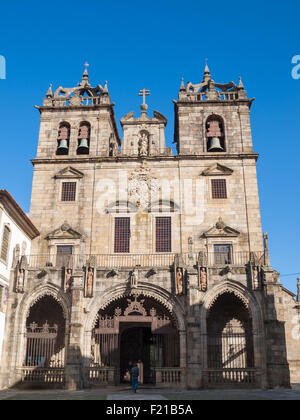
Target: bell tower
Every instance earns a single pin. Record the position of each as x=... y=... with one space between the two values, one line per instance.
x=77 y=131
x=212 y=117
x=77 y=121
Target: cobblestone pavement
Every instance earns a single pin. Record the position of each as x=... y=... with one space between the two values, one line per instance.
x=152 y=394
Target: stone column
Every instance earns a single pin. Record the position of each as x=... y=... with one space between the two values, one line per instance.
x=278 y=373
x=11 y=346
x=74 y=379
x=183 y=354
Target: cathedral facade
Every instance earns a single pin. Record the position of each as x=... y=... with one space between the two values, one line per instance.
x=148 y=256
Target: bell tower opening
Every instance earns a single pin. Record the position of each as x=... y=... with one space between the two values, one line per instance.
x=215 y=137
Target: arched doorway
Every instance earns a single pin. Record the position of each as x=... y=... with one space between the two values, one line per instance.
x=45 y=341
x=230 y=354
x=136 y=328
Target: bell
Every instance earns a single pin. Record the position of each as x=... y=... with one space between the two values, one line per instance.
x=215 y=145
x=83 y=147
x=63 y=147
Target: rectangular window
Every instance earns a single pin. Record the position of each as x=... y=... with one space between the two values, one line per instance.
x=68 y=192
x=5 y=243
x=163 y=234
x=122 y=235
x=223 y=254
x=63 y=256
x=218 y=187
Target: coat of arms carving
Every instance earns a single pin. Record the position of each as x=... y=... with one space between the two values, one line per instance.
x=142 y=186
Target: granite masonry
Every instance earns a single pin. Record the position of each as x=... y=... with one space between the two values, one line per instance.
x=148 y=256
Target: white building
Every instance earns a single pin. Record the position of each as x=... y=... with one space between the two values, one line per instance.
x=16 y=234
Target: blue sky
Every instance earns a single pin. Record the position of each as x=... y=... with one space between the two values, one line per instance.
x=153 y=44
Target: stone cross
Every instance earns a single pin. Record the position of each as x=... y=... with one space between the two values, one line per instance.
x=144 y=92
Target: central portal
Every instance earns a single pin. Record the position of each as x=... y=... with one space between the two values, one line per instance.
x=137 y=346
x=135 y=329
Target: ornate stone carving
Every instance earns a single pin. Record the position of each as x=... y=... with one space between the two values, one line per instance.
x=118 y=312
x=142 y=185
x=220 y=225
x=202 y=259
x=135 y=307
x=68 y=279
x=76 y=99
x=65 y=227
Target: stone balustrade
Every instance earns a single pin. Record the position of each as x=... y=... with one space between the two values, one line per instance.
x=119 y=261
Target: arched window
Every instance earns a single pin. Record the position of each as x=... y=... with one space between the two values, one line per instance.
x=63 y=140
x=215 y=134
x=5 y=244
x=84 y=138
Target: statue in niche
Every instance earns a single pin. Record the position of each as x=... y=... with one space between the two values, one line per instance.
x=113 y=149
x=134 y=278
x=255 y=276
x=20 y=276
x=16 y=255
x=143 y=145
x=203 y=279
x=179 y=281
x=89 y=282
x=68 y=278
x=20 y=280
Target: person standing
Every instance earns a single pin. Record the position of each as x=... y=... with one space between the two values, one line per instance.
x=135 y=372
